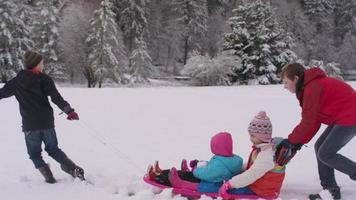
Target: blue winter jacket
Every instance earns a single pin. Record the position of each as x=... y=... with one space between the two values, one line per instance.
x=219 y=168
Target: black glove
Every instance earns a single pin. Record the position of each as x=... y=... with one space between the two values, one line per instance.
x=285 y=151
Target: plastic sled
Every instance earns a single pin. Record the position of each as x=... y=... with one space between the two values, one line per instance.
x=195 y=194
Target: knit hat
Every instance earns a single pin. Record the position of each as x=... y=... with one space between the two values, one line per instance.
x=261 y=127
x=32 y=59
x=221 y=144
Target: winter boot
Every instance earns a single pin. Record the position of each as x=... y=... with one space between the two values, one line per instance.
x=184 y=166
x=156 y=168
x=328 y=193
x=150 y=173
x=75 y=171
x=177 y=182
x=47 y=174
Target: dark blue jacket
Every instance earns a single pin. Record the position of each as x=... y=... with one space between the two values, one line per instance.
x=32 y=91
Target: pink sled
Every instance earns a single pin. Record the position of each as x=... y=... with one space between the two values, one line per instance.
x=196 y=194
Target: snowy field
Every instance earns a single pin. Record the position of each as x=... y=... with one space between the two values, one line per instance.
x=122 y=130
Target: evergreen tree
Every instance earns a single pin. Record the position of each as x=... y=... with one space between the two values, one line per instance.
x=223 y=6
x=192 y=17
x=345 y=19
x=155 y=30
x=22 y=33
x=218 y=12
x=7 y=10
x=24 y=11
x=132 y=21
x=318 y=8
x=332 y=69
x=74 y=30
x=163 y=35
x=103 y=42
x=260 y=42
x=14 y=39
x=157 y=23
x=46 y=29
x=216 y=24
x=141 y=63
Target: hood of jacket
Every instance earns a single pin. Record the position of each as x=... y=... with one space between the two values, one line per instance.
x=313 y=73
x=221 y=144
x=308 y=76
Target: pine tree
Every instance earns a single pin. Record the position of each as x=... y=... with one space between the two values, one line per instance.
x=24 y=41
x=14 y=39
x=345 y=20
x=192 y=17
x=46 y=28
x=74 y=30
x=132 y=21
x=103 y=42
x=218 y=12
x=216 y=23
x=260 y=42
x=318 y=8
x=332 y=69
x=163 y=35
x=7 y=10
x=223 y=6
x=157 y=34
x=141 y=63
x=24 y=11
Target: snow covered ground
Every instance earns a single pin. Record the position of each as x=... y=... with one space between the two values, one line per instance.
x=122 y=130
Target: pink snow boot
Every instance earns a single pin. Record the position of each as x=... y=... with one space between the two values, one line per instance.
x=150 y=173
x=184 y=166
x=177 y=182
x=156 y=168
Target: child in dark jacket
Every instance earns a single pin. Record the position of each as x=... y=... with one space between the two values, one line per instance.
x=206 y=176
x=31 y=88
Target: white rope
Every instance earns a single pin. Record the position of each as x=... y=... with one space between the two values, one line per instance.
x=94 y=134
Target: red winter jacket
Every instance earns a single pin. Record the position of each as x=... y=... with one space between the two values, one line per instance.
x=323 y=100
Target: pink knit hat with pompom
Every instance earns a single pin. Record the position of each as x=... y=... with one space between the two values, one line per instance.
x=261 y=127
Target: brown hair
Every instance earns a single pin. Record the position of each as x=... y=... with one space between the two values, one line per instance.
x=292 y=70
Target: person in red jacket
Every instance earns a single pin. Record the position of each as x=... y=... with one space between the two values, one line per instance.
x=324 y=100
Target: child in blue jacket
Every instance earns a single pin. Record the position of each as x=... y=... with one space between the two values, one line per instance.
x=206 y=176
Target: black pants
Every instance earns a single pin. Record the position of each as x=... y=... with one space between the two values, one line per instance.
x=162 y=178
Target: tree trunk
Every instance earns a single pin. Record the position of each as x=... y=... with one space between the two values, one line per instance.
x=185 y=51
x=168 y=57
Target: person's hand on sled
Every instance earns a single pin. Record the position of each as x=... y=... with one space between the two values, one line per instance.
x=193 y=164
x=197 y=163
x=223 y=190
x=73 y=115
x=285 y=151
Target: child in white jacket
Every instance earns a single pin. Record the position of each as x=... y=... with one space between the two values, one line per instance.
x=262 y=176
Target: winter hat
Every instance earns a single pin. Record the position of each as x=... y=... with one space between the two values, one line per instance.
x=261 y=127
x=32 y=59
x=221 y=144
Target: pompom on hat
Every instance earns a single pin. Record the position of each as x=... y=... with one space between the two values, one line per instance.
x=32 y=59
x=261 y=127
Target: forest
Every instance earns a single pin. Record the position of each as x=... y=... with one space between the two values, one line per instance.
x=103 y=43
